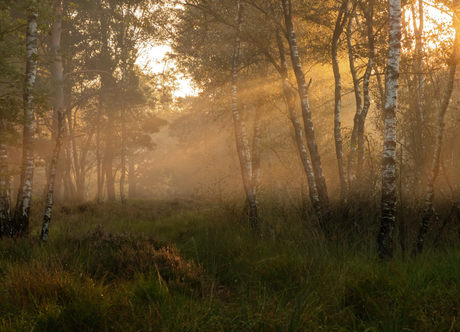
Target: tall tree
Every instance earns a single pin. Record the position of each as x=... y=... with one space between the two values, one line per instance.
x=306 y=113
x=20 y=225
x=363 y=100
x=58 y=79
x=388 y=207
x=339 y=25
x=241 y=135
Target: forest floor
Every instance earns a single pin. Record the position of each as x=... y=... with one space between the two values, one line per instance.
x=184 y=266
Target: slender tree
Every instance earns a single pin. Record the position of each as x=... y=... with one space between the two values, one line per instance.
x=388 y=217
x=58 y=79
x=369 y=19
x=362 y=99
x=339 y=25
x=306 y=114
x=240 y=133
x=20 y=225
x=298 y=133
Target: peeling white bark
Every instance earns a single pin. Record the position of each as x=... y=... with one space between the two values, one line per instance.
x=241 y=135
x=385 y=237
x=20 y=225
x=298 y=130
x=306 y=112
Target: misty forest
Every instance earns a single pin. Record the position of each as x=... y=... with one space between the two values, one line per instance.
x=229 y=165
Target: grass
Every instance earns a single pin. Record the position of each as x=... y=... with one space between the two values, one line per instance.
x=178 y=266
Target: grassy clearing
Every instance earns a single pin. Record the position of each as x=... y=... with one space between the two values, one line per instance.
x=179 y=266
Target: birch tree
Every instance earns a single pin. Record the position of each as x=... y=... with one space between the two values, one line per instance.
x=58 y=79
x=298 y=133
x=241 y=135
x=388 y=205
x=20 y=225
x=305 y=106
x=339 y=25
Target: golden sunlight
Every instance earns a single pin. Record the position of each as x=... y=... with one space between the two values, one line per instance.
x=437 y=22
x=154 y=60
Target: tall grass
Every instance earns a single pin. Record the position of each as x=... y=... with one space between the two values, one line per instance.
x=180 y=266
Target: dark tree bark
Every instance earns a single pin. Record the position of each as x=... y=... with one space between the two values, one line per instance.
x=359 y=108
x=339 y=25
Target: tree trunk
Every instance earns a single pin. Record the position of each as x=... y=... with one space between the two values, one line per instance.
x=20 y=225
x=339 y=25
x=369 y=17
x=305 y=106
x=82 y=166
x=429 y=195
x=108 y=158
x=240 y=134
x=100 y=175
x=385 y=237
x=89 y=185
x=132 y=191
x=419 y=84
x=298 y=133
x=58 y=80
x=256 y=152
x=69 y=188
x=123 y=167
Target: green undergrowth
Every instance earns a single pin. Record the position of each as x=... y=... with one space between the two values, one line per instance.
x=183 y=266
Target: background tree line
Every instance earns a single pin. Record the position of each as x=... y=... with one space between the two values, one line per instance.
x=285 y=75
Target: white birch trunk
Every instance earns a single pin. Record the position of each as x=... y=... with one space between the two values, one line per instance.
x=298 y=133
x=58 y=78
x=240 y=134
x=385 y=237
x=306 y=112
x=429 y=194
x=20 y=225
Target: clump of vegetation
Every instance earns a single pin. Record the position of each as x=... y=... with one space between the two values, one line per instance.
x=201 y=269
